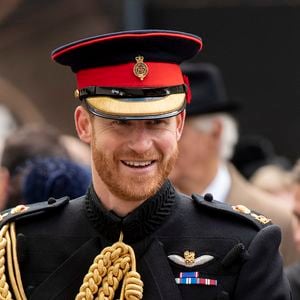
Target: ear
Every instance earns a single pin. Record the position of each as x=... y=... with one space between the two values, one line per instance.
x=217 y=129
x=83 y=124
x=180 y=124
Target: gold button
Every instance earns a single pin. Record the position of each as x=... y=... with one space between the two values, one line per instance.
x=242 y=209
x=263 y=219
x=19 y=209
x=76 y=94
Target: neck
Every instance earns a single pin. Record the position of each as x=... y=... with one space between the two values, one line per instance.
x=136 y=225
x=112 y=202
x=208 y=175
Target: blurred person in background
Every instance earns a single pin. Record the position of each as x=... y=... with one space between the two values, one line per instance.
x=28 y=142
x=31 y=140
x=206 y=147
x=255 y=151
x=275 y=180
x=78 y=151
x=256 y=159
x=293 y=271
x=55 y=177
x=8 y=124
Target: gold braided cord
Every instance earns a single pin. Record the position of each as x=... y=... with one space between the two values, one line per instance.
x=10 y=266
x=16 y=262
x=5 y=293
x=8 y=249
x=113 y=264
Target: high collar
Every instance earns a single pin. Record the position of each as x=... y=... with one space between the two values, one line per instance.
x=140 y=223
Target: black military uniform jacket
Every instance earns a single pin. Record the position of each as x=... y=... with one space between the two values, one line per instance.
x=58 y=241
x=293 y=275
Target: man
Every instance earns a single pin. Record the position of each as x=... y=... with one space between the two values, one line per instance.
x=293 y=272
x=133 y=236
x=206 y=148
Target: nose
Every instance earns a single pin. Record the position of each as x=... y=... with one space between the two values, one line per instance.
x=140 y=139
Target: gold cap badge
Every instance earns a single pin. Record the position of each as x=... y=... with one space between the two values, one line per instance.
x=140 y=69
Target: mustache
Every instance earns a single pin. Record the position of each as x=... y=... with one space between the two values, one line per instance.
x=132 y=155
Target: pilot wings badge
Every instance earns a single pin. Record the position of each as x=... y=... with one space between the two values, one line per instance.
x=189 y=260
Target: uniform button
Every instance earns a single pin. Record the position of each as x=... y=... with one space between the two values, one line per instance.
x=208 y=197
x=51 y=201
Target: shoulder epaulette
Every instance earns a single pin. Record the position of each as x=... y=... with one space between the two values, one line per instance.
x=21 y=211
x=239 y=211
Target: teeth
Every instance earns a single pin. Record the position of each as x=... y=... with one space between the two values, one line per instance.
x=138 y=163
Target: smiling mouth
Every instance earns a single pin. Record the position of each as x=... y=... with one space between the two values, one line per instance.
x=137 y=164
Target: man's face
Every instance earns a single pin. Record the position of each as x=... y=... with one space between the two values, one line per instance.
x=133 y=158
x=296 y=221
x=195 y=146
x=198 y=153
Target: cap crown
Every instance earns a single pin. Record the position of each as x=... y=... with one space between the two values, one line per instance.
x=112 y=69
x=122 y=47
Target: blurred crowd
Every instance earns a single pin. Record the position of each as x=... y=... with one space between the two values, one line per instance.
x=39 y=162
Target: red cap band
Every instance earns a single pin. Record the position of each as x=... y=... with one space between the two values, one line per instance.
x=160 y=74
